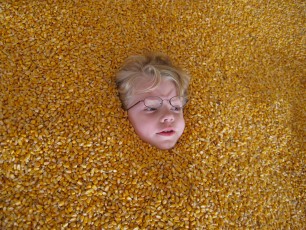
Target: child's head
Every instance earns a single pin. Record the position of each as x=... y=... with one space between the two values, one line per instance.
x=154 y=92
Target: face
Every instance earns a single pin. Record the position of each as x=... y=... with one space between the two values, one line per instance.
x=161 y=127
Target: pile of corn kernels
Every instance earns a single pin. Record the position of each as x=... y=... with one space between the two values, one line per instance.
x=69 y=158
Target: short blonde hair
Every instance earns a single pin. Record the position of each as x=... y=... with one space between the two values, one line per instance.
x=154 y=67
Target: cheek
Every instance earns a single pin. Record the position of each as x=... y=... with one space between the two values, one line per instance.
x=142 y=124
x=181 y=124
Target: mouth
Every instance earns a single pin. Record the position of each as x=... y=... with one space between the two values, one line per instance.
x=168 y=132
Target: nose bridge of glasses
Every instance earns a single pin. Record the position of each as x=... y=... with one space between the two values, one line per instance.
x=161 y=101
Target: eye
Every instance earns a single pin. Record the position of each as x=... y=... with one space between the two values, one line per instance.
x=150 y=109
x=176 y=108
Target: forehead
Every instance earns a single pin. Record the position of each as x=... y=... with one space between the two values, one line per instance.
x=165 y=89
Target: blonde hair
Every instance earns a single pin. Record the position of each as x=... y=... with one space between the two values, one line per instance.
x=155 y=68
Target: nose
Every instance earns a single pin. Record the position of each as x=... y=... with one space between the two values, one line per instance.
x=167 y=116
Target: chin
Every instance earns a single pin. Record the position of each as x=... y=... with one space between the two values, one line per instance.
x=165 y=146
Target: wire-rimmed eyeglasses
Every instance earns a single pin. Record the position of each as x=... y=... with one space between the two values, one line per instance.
x=155 y=102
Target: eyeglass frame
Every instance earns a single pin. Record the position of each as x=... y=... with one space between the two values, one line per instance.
x=162 y=100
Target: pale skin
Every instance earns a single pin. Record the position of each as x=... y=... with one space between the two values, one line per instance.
x=162 y=127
